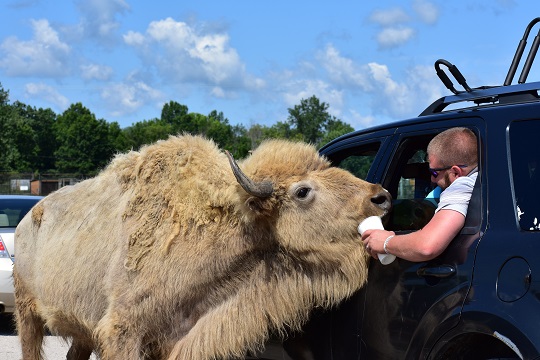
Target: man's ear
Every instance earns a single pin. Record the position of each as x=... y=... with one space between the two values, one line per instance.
x=458 y=172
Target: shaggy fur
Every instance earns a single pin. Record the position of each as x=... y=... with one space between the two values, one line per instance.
x=164 y=256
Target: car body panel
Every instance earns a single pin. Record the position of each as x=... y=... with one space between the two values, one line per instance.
x=13 y=208
x=7 y=301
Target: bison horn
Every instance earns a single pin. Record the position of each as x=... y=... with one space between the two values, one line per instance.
x=262 y=189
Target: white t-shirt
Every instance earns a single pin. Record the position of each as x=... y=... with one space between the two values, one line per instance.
x=457 y=196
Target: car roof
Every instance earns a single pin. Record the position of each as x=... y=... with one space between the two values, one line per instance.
x=20 y=197
x=478 y=99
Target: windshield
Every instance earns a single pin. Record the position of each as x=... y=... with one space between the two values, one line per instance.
x=13 y=210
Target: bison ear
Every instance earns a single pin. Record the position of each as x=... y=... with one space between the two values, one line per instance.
x=260 y=207
x=254 y=204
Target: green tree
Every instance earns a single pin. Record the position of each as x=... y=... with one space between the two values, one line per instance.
x=335 y=128
x=217 y=128
x=4 y=96
x=18 y=139
x=309 y=119
x=176 y=115
x=146 y=132
x=6 y=141
x=281 y=130
x=311 y=122
x=84 y=146
x=240 y=144
x=118 y=138
x=41 y=146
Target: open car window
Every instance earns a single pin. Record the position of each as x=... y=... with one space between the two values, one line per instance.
x=409 y=182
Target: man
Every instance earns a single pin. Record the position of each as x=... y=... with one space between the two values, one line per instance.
x=453 y=162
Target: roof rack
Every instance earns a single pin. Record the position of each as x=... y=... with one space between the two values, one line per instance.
x=496 y=94
x=519 y=53
x=499 y=94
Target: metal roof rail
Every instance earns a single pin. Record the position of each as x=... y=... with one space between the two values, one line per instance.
x=519 y=53
x=455 y=72
x=492 y=94
x=511 y=94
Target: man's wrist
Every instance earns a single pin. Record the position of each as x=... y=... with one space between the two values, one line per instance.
x=385 y=245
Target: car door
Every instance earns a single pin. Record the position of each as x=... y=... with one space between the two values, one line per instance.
x=405 y=305
x=361 y=154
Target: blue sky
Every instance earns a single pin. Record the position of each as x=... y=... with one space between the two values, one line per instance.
x=372 y=62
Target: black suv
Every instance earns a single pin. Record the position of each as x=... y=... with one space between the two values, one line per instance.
x=480 y=299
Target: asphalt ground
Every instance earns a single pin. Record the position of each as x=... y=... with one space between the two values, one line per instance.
x=54 y=347
x=10 y=347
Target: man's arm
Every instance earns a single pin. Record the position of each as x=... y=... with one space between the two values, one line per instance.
x=421 y=245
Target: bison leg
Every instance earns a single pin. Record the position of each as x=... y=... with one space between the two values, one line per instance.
x=30 y=326
x=218 y=334
x=117 y=339
x=78 y=351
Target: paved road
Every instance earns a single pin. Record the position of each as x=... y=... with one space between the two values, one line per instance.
x=10 y=348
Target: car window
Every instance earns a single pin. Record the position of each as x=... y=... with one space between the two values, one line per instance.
x=409 y=182
x=358 y=160
x=13 y=210
x=358 y=165
x=525 y=156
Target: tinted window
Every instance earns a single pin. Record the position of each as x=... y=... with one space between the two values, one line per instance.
x=358 y=165
x=525 y=156
x=358 y=160
x=13 y=210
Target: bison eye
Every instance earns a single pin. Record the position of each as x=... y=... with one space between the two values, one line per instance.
x=302 y=192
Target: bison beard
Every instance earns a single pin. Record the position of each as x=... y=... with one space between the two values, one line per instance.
x=165 y=255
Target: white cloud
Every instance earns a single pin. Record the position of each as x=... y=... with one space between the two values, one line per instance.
x=96 y=72
x=370 y=90
x=393 y=94
x=370 y=83
x=46 y=93
x=218 y=92
x=407 y=97
x=343 y=71
x=359 y=121
x=296 y=90
x=423 y=80
x=99 y=17
x=44 y=55
x=389 y=17
x=126 y=98
x=427 y=11
x=173 y=33
x=186 y=55
x=394 y=36
x=134 y=38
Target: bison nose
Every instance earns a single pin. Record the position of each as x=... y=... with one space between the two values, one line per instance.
x=383 y=200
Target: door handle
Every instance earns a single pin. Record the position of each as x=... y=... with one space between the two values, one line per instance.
x=441 y=271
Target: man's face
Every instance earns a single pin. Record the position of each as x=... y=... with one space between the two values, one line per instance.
x=442 y=179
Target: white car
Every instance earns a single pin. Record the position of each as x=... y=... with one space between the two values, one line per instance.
x=12 y=209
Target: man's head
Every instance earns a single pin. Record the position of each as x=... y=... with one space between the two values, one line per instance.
x=451 y=154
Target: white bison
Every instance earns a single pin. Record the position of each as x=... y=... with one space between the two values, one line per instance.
x=168 y=254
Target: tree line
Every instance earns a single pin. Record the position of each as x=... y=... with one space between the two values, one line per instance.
x=37 y=140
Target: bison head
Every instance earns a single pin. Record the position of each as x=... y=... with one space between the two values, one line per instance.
x=312 y=209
